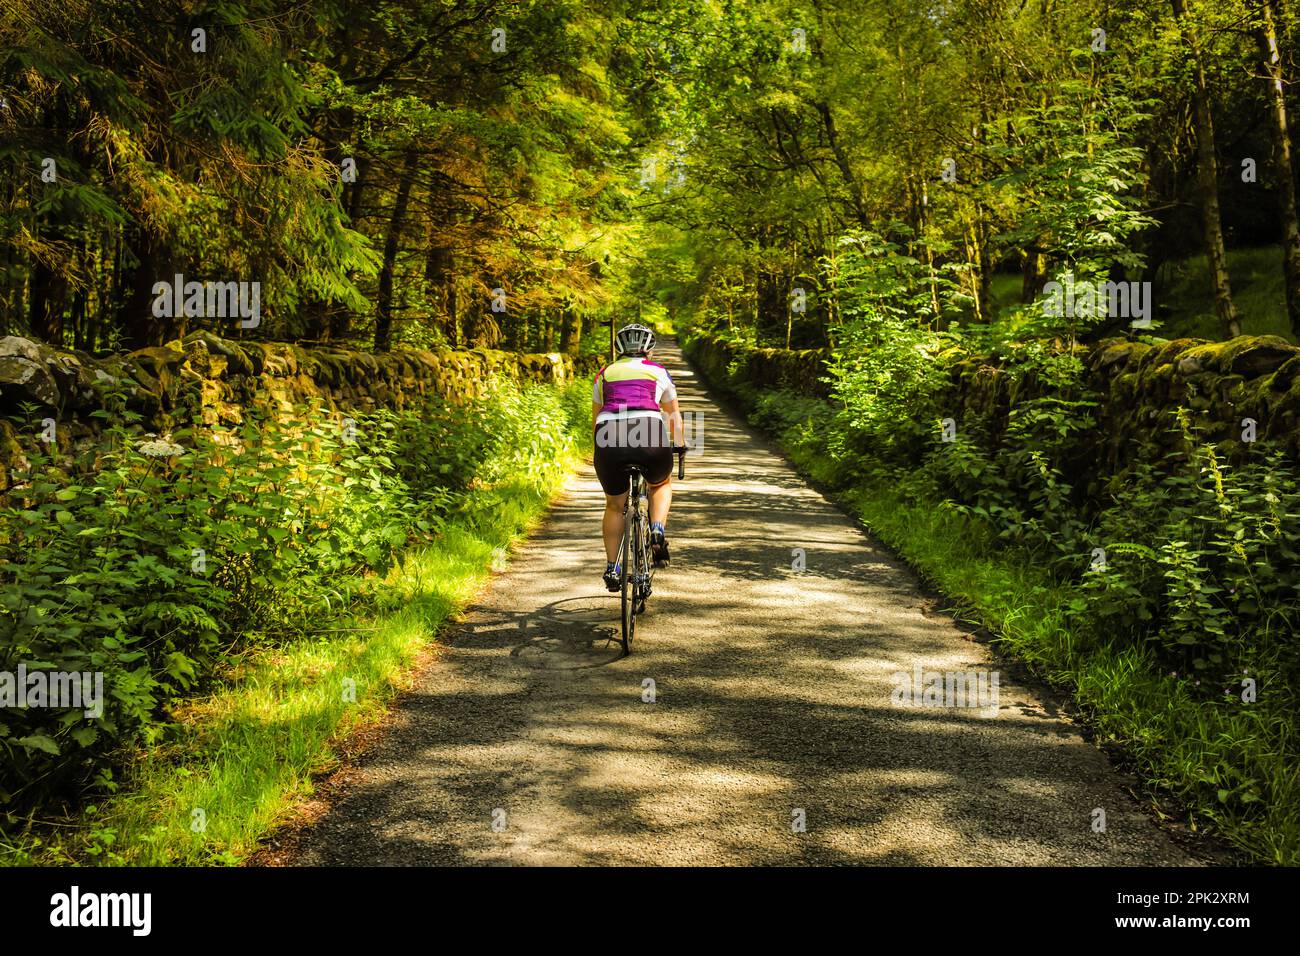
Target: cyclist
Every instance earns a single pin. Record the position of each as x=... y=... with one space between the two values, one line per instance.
x=631 y=399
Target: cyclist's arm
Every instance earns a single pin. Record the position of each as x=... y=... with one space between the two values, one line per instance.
x=597 y=397
x=676 y=427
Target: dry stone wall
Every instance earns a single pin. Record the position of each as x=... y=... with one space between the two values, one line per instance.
x=728 y=364
x=1249 y=382
x=217 y=381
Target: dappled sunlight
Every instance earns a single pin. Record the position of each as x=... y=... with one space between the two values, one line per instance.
x=755 y=692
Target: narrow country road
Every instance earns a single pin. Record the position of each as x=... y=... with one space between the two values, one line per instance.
x=529 y=741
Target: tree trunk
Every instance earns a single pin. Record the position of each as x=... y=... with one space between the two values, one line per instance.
x=340 y=319
x=974 y=259
x=1033 y=275
x=770 y=319
x=453 y=313
x=843 y=165
x=519 y=332
x=570 y=331
x=1266 y=37
x=922 y=232
x=384 y=312
x=439 y=272
x=79 y=319
x=45 y=317
x=354 y=191
x=1207 y=179
x=136 y=318
x=49 y=290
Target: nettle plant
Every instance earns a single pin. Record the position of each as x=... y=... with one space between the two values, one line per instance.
x=1014 y=474
x=170 y=555
x=1202 y=563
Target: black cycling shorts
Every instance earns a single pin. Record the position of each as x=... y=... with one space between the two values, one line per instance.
x=632 y=441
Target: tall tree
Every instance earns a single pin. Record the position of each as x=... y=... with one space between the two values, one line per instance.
x=1207 y=175
x=1266 y=35
x=393 y=241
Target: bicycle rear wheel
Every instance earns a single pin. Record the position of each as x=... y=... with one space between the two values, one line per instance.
x=627 y=579
x=645 y=566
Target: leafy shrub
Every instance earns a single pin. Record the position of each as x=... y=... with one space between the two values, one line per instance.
x=158 y=566
x=1202 y=564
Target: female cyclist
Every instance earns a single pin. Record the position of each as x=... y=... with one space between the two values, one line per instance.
x=636 y=420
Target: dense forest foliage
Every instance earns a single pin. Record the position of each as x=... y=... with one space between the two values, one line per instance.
x=954 y=143
x=434 y=172
x=388 y=173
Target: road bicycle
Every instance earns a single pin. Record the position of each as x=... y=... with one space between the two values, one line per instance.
x=636 y=575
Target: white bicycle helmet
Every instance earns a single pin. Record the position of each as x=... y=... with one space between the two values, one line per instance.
x=634 y=340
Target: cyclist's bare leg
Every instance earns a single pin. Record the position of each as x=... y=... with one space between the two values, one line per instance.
x=611 y=524
x=661 y=499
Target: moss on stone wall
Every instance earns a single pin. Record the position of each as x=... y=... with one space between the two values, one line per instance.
x=1222 y=384
x=1139 y=387
x=216 y=381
